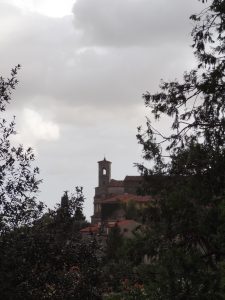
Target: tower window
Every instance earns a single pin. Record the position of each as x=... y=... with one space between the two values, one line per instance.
x=104 y=171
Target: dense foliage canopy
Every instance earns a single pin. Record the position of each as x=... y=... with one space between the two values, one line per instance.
x=186 y=223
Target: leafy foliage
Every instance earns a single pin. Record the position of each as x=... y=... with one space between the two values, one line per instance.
x=18 y=180
x=71 y=207
x=50 y=260
x=185 y=232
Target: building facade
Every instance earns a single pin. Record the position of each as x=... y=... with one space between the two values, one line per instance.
x=111 y=194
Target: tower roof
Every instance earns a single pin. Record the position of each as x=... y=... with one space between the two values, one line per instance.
x=104 y=160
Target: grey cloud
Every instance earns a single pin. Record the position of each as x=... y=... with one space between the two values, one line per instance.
x=89 y=78
x=8 y=10
x=133 y=22
x=59 y=71
x=117 y=78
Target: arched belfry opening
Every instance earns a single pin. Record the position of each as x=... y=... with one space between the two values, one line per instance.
x=104 y=174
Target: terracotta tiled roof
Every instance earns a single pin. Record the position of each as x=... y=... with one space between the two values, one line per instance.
x=125 y=222
x=128 y=197
x=116 y=183
x=90 y=229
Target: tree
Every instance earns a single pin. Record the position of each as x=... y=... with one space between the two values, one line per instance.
x=50 y=260
x=186 y=221
x=70 y=211
x=114 y=243
x=77 y=201
x=18 y=180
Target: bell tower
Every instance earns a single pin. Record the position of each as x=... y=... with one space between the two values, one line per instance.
x=104 y=172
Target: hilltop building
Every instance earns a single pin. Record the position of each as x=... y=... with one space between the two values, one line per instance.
x=111 y=200
x=111 y=193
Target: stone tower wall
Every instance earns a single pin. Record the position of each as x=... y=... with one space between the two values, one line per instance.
x=104 y=173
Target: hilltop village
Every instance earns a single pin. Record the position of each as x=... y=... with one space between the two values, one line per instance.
x=111 y=201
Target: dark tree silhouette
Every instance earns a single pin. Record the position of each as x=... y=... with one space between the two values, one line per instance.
x=18 y=179
x=186 y=241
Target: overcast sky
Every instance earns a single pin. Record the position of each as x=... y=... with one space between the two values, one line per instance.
x=85 y=65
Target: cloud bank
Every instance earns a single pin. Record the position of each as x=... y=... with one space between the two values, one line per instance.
x=82 y=79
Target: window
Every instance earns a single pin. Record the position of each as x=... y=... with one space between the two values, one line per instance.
x=104 y=171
